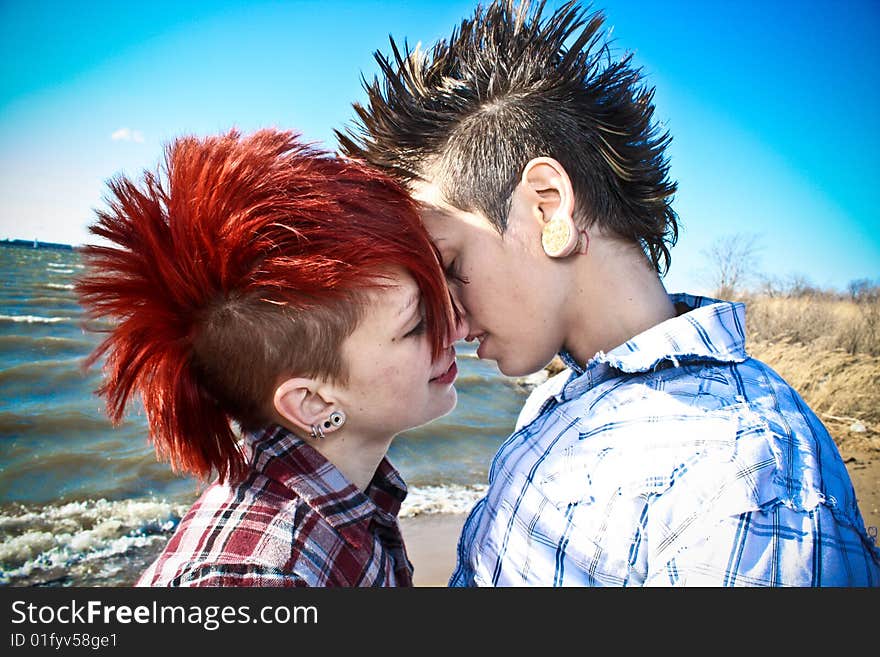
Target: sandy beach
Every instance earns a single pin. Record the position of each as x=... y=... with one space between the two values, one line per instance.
x=431 y=539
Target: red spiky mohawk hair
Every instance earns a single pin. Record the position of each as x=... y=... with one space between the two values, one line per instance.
x=244 y=261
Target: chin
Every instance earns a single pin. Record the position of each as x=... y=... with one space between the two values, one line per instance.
x=451 y=402
x=514 y=368
x=441 y=408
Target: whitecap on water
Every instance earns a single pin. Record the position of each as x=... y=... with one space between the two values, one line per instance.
x=441 y=499
x=38 y=540
x=33 y=319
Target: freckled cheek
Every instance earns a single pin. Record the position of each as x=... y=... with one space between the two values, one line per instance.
x=374 y=377
x=401 y=381
x=389 y=372
x=393 y=378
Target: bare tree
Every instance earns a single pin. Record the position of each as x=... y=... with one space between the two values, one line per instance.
x=733 y=262
x=863 y=289
x=864 y=336
x=798 y=285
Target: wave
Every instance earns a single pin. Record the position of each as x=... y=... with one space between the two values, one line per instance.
x=59 y=423
x=47 y=373
x=472 y=381
x=60 y=271
x=46 y=302
x=69 y=542
x=60 y=539
x=45 y=345
x=34 y=319
x=441 y=499
x=59 y=286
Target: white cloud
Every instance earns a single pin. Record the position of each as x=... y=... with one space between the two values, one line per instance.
x=127 y=134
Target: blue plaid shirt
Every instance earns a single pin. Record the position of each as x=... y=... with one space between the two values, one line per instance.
x=672 y=460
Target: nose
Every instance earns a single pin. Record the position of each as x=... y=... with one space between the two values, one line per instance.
x=459 y=329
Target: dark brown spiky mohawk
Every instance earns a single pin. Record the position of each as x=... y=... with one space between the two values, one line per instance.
x=505 y=88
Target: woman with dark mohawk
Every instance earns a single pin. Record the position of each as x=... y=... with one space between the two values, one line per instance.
x=283 y=316
x=663 y=455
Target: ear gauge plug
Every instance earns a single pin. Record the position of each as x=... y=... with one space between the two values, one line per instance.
x=560 y=238
x=336 y=419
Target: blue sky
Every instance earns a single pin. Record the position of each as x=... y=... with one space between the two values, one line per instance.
x=772 y=106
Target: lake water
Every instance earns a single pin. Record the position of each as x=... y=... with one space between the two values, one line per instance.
x=83 y=503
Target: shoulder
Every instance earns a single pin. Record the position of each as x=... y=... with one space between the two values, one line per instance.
x=240 y=534
x=642 y=434
x=737 y=426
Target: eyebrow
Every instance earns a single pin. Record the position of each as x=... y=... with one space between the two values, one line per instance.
x=413 y=300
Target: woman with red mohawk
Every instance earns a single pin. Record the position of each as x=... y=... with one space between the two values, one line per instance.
x=283 y=316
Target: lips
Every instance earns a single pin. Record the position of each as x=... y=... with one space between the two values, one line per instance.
x=448 y=376
x=479 y=337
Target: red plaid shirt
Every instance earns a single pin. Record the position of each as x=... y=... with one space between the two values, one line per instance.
x=294 y=521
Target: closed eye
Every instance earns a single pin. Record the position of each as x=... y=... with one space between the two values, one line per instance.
x=454 y=275
x=418 y=329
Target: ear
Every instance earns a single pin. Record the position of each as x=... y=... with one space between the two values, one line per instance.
x=553 y=196
x=304 y=404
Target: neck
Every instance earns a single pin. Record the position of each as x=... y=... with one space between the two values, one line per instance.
x=616 y=294
x=356 y=457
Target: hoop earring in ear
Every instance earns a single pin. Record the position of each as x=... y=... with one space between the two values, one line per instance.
x=317 y=433
x=336 y=420
x=560 y=238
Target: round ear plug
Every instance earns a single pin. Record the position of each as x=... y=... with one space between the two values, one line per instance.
x=559 y=237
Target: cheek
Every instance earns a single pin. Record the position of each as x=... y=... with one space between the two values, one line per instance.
x=389 y=373
x=495 y=293
x=484 y=292
x=399 y=381
x=374 y=384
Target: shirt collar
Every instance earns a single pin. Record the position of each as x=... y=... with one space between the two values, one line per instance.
x=708 y=330
x=281 y=456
